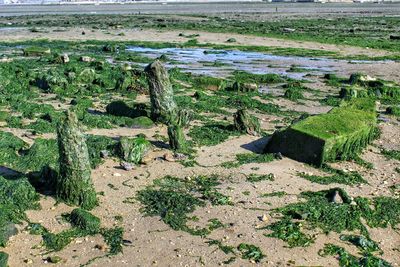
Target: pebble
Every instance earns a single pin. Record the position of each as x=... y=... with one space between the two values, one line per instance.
x=28 y=261
x=117 y=174
x=127 y=166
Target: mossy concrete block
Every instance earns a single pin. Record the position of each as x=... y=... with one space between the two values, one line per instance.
x=85 y=221
x=133 y=149
x=337 y=135
x=3 y=259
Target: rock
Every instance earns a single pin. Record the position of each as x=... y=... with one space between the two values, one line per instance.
x=5 y=60
x=74 y=183
x=100 y=247
x=288 y=30
x=27 y=261
x=117 y=174
x=86 y=59
x=245 y=87
x=263 y=218
x=336 y=198
x=64 y=58
x=6 y=231
x=127 y=166
x=163 y=105
x=169 y=157
x=244 y=122
x=146 y=160
x=104 y=154
x=394 y=37
x=231 y=40
x=180 y=156
x=278 y=155
x=133 y=149
x=54 y=259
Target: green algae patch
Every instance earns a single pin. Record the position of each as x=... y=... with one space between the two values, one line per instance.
x=348 y=260
x=336 y=176
x=334 y=210
x=3 y=259
x=173 y=199
x=16 y=196
x=338 y=135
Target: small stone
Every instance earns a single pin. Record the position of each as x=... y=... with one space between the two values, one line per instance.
x=104 y=154
x=65 y=58
x=54 y=259
x=146 y=160
x=263 y=218
x=100 y=247
x=127 y=166
x=169 y=157
x=278 y=155
x=117 y=174
x=180 y=156
x=28 y=261
x=337 y=198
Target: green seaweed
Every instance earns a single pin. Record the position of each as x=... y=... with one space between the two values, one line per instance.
x=337 y=176
x=173 y=199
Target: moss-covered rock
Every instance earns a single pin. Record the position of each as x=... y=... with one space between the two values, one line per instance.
x=74 y=184
x=3 y=259
x=337 y=135
x=84 y=220
x=246 y=123
x=142 y=122
x=36 y=51
x=133 y=149
x=393 y=110
x=120 y=108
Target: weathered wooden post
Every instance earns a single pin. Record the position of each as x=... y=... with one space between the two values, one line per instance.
x=74 y=184
x=163 y=106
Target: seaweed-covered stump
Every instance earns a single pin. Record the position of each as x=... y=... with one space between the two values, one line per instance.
x=74 y=184
x=163 y=105
x=244 y=122
x=177 y=139
x=338 y=135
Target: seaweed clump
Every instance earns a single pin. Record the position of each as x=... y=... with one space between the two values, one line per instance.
x=16 y=196
x=334 y=210
x=173 y=199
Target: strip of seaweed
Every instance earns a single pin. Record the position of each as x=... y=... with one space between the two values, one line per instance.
x=337 y=176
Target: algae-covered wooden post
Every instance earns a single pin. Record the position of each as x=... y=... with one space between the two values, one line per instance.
x=244 y=122
x=163 y=105
x=177 y=139
x=74 y=184
x=176 y=136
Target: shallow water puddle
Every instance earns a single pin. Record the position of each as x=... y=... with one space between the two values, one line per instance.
x=200 y=61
